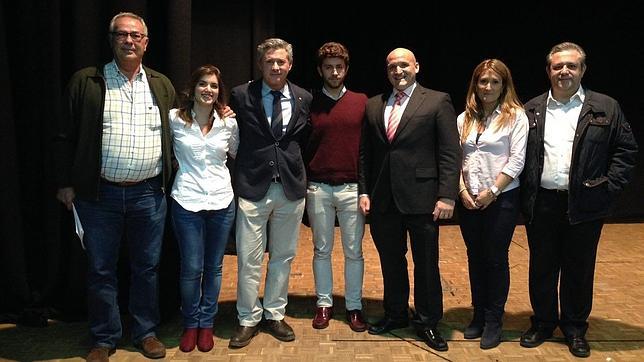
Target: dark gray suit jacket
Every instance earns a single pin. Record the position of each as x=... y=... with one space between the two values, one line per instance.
x=422 y=162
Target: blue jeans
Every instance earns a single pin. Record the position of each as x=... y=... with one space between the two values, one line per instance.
x=137 y=214
x=202 y=238
x=323 y=203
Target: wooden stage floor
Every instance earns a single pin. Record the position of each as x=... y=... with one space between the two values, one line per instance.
x=616 y=330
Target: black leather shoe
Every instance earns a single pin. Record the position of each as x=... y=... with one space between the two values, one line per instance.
x=534 y=336
x=474 y=330
x=491 y=336
x=578 y=346
x=386 y=325
x=242 y=336
x=280 y=330
x=433 y=339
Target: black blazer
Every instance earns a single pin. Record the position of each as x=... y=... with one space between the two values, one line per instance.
x=423 y=161
x=260 y=152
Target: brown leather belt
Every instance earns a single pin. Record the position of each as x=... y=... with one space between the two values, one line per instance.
x=122 y=184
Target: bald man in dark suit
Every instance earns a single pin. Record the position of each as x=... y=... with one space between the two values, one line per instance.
x=409 y=169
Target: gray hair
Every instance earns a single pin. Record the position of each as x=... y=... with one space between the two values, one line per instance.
x=128 y=15
x=563 y=47
x=274 y=44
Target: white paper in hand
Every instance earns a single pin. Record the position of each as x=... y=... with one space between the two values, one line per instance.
x=79 y=226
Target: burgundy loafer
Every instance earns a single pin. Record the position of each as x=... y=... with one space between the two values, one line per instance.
x=322 y=317
x=356 y=322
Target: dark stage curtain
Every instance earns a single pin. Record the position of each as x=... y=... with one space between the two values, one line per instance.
x=42 y=43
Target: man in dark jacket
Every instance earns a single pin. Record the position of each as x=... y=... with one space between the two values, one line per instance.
x=580 y=154
x=113 y=159
x=273 y=120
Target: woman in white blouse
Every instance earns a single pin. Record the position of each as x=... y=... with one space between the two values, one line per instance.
x=203 y=207
x=493 y=133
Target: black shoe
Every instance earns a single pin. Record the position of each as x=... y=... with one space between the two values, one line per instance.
x=242 y=336
x=491 y=336
x=433 y=339
x=280 y=330
x=578 y=346
x=474 y=330
x=386 y=325
x=534 y=336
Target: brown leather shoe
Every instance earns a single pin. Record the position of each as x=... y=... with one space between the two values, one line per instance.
x=152 y=348
x=322 y=317
x=99 y=354
x=280 y=330
x=242 y=336
x=356 y=322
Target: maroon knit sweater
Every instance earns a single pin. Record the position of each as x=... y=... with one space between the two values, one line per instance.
x=332 y=152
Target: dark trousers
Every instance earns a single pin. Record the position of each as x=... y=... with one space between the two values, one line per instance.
x=389 y=231
x=487 y=234
x=564 y=253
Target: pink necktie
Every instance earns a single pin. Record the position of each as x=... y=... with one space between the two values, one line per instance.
x=394 y=116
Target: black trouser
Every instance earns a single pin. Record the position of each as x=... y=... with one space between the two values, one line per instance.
x=561 y=252
x=389 y=233
x=487 y=234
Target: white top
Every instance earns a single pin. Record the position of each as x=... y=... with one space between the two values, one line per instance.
x=203 y=180
x=392 y=98
x=497 y=150
x=558 y=137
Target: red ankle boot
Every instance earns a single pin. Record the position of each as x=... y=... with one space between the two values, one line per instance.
x=205 y=341
x=188 y=340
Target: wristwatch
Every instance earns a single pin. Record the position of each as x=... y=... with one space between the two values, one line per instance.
x=495 y=191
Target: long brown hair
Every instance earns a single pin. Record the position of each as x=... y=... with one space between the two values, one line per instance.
x=188 y=95
x=508 y=100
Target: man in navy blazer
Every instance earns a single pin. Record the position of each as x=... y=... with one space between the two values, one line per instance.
x=269 y=178
x=409 y=170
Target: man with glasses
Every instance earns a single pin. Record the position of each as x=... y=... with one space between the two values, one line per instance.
x=113 y=160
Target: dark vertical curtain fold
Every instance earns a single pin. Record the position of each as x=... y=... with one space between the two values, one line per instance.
x=41 y=44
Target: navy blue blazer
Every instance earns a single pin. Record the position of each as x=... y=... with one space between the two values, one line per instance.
x=260 y=154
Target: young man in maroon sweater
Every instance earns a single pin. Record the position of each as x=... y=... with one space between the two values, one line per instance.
x=332 y=169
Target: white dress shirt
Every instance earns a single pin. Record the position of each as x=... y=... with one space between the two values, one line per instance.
x=392 y=98
x=559 y=134
x=498 y=150
x=203 y=180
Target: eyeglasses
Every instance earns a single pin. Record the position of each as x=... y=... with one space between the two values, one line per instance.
x=122 y=35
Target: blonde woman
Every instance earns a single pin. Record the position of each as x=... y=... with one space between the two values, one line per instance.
x=493 y=133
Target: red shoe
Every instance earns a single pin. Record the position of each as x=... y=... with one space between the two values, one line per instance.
x=205 y=341
x=322 y=317
x=188 y=340
x=356 y=321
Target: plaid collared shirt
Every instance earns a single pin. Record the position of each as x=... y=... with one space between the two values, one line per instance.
x=131 y=148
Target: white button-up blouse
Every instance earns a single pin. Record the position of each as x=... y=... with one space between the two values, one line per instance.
x=497 y=150
x=203 y=180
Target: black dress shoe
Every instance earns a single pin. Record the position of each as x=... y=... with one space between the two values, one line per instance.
x=474 y=330
x=386 y=325
x=578 y=346
x=534 y=336
x=280 y=330
x=433 y=339
x=242 y=336
x=491 y=336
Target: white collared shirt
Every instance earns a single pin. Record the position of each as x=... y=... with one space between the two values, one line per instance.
x=287 y=108
x=131 y=144
x=559 y=134
x=203 y=180
x=392 y=98
x=497 y=150
x=342 y=92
